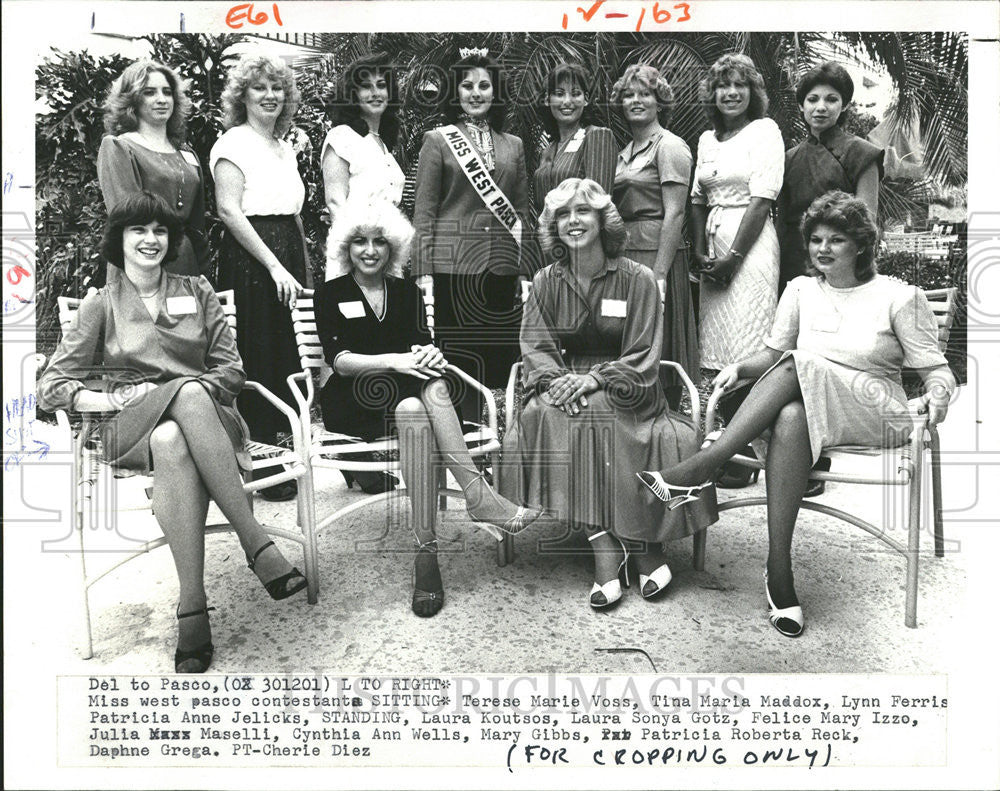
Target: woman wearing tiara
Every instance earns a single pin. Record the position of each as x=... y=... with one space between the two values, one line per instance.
x=471 y=204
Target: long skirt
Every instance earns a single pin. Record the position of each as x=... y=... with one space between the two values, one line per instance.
x=680 y=334
x=264 y=332
x=735 y=319
x=125 y=437
x=477 y=321
x=582 y=469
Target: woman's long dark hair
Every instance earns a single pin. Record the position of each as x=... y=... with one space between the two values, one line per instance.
x=344 y=108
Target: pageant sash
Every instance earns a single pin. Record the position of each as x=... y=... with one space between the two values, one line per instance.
x=481 y=180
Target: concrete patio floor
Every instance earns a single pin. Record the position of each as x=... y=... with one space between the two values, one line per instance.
x=530 y=616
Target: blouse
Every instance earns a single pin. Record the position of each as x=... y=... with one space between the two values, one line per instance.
x=748 y=165
x=125 y=166
x=190 y=337
x=878 y=327
x=592 y=157
x=614 y=331
x=271 y=182
x=373 y=171
x=664 y=159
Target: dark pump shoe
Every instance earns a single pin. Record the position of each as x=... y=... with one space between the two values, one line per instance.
x=815 y=488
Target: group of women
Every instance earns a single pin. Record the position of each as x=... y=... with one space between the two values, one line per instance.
x=595 y=444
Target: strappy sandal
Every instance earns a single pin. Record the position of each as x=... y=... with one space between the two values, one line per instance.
x=426 y=604
x=521 y=519
x=603 y=597
x=199 y=658
x=674 y=496
x=788 y=620
x=276 y=588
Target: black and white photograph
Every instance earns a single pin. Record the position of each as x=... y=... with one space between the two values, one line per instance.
x=624 y=357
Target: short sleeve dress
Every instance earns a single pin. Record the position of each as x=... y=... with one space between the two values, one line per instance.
x=834 y=161
x=640 y=174
x=589 y=154
x=273 y=195
x=849 y=346
x=124 y=167
x=735 y=319
x=582 y=468
x=113 y=336
x=363 y=406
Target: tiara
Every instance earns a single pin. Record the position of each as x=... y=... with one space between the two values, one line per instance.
x=479 y=52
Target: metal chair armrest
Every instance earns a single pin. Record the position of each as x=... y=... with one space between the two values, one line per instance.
x=692 y=394
x=491 y=404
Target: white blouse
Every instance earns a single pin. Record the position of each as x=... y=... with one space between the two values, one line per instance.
x=374 y=172
x=271 y=181
x=751 y=164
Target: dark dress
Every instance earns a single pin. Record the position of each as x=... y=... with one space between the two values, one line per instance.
x=582 y=468
x=125 y=167
x=363 y=406
x=113 y=336
x=835 y=161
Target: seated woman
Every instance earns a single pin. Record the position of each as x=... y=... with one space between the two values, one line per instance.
x=830 y=376
x=388 y=374
x=173 y=372
x=593 y=404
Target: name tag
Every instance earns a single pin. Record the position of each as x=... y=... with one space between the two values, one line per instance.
x=825 y=322
x=352 y=310
x=574 y=145
x=181 y=306
x=613 y=308
x=190 y=158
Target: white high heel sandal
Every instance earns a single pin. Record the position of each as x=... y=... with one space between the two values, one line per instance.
x=673 y=496
x=793 y=614
x=660 y=578
x=610 y=593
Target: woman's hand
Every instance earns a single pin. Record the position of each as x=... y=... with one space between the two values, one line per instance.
x=129 y=394
x=569 y=392
x=935 y=406
x=721 y=269
x=287 y=286
x=429 y=357
x=409 y=363
x=727 y=378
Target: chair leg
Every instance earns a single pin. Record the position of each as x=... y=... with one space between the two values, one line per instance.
x=700 y=541
x=913 y=539
x=442 y=484
x=79 y=508
x=307 y=524
x=937 y=507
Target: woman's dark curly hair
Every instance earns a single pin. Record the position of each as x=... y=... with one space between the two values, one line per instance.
x=574 y=74
x=850 y=216
x=832 y=74
x=497 y=115
x=126 y=92
x=745 y=70
x=139 y=208
x=344 y=104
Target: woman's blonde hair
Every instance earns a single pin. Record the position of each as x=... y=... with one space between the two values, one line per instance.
x=612 y=225
x=246 y=70
x=125 y=92
x=647 y=77
x=379 y=217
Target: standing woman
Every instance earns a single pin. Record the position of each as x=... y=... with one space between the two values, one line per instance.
x=357 y=158
x=259 y=195
x=578 y=150
x=651 y=182
x=828 y=159
x=145 y=116
x=737 y=179
x=470 y=208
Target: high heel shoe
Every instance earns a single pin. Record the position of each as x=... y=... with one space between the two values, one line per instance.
x=609 y=594
x=673 y=496
x=523 y=517
x=788 y=620
x=426 y=604
x=197 y=659
x=660 y=578
x=276 y=588
x=383 y=482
